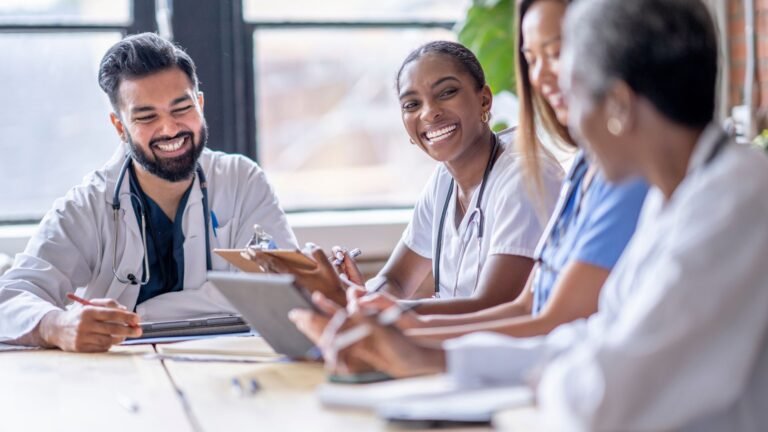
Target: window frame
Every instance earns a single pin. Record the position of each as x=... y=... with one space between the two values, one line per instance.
x=218 y=37
x=142 y=20
x=232 y=112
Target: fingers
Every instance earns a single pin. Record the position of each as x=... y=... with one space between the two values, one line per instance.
x=376 y=301
x=318 y=255
x=108 y=303
x=117 y=316
x=268 y=263
x=354 y=294
x=309 y=323
x=323 y=303
x=345 y=264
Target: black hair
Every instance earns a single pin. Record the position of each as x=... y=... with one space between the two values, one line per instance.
x=140 y=55
x=456 y=51
x=665 y=50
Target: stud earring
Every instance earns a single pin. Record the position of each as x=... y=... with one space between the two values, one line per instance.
x=614 y=126
x=485 y=117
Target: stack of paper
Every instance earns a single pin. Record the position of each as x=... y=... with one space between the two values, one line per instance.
x=433 y=398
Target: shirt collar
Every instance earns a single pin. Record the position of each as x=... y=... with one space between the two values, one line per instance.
x=709 y=138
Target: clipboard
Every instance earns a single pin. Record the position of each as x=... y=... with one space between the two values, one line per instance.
x=292 y=257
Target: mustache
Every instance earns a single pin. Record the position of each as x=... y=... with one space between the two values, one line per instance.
x=167 y=138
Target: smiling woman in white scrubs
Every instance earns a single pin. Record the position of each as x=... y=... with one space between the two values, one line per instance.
x=476 y=224
x=679 y=340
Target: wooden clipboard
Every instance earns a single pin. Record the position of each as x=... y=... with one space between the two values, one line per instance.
x=292 y=257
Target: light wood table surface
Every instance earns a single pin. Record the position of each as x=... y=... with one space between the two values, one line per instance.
x=50 y=390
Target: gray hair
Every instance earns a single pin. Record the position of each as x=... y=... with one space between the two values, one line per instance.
x=665 y=50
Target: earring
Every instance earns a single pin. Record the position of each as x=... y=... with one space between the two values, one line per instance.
x=485 y=117
x=614 y=126
x=412 y=141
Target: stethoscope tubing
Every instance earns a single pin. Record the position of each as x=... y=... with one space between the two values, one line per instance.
x=116 y=212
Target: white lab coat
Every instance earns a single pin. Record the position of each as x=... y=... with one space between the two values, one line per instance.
x=74 y=245
x=680 y=341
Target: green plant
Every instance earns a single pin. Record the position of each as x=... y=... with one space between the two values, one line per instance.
x=761 y=140
x=489 y=31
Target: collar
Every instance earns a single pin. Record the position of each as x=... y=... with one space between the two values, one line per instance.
x=710 y=138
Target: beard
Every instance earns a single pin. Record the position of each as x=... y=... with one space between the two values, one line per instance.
x=171 y=169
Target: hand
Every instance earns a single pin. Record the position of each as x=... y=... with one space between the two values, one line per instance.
x=322 y=278
x=347 y=265
x=382 y=348
x=90 y=328
x=321 y=328
x=382 y=301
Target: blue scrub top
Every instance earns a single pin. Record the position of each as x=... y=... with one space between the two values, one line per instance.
x=165 y=244
x=593 y=228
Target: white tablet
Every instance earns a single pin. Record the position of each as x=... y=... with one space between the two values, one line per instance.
x=264 y=301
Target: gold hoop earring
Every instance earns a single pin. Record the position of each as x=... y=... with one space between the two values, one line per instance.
x=614 y=126
x=485 y=117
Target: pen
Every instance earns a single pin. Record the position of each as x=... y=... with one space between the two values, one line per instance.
x=85 y=302
x=240 y=390
x=354 y=253
x=214 y=223
x=129 y=404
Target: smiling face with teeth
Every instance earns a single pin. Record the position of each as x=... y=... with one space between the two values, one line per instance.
x=160 y=117
x=442 y=106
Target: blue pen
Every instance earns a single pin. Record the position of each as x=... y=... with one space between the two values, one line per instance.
x=214 y=223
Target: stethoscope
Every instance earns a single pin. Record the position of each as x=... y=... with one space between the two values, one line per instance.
x=131 y=278
x=559 y=224
x=476 y=217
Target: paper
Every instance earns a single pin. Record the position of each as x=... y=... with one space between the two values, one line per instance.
x=243 y=346
x=171 y=339
x=372 y=395
x=212 y=358
x=9 y=347
x=463 y=406
x=436 y=397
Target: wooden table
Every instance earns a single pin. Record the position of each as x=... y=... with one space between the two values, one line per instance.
x=124 y=391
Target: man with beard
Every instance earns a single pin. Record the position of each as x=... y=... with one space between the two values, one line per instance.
x=135 y=238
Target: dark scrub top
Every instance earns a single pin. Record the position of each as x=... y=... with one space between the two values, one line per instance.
x=165 y=244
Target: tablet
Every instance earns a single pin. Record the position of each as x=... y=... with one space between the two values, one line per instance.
x=264 y=301
x=212 y=325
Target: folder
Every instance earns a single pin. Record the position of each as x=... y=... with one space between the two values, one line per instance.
x=292 y=257
x=234 y=257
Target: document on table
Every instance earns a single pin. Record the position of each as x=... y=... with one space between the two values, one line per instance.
x=244 y=346
x=8 y=347
x=432 y=398
x=476 y=406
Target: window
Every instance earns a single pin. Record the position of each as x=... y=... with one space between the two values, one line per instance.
x=304 y=87
x=53 y=118
x=328 y=127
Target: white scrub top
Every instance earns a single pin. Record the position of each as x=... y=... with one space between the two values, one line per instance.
x=514 y=220
x=680 y=340
x=73 y=247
